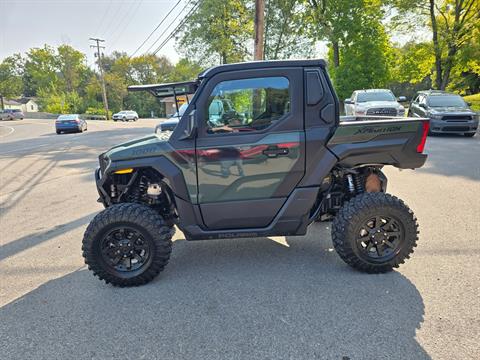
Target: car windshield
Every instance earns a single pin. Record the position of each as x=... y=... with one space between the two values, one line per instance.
x=446 y=101
x=375 y=96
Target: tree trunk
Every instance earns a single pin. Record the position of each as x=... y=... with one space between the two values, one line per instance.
x=259 y=29
x=436 y=47
x=336 y=54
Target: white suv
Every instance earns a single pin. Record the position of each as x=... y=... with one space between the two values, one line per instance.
x=125 y=115
x=380 y=102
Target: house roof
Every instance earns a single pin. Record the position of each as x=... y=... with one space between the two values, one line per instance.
x=11 y=102
x=24 y=100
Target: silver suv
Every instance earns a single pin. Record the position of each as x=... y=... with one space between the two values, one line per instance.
x=11 y=114
x=380 y=102
x=125 y=115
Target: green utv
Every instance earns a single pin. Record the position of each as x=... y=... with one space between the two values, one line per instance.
x=260 y=151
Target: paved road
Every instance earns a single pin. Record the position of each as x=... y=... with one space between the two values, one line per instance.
x=269 y=298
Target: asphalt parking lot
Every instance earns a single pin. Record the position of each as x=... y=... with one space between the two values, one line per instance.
x=268 y=298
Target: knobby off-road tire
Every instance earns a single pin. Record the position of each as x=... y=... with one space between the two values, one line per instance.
x=127 y=244
x=375 y=232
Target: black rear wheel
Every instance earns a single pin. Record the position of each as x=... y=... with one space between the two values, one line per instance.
x=127 y=244
x=375 y=232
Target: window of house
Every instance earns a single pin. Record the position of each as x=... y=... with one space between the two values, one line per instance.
x=247 y=104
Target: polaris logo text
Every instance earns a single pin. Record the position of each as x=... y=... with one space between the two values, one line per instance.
x=377 y=130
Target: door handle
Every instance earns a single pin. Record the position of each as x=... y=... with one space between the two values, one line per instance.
x=274 y=151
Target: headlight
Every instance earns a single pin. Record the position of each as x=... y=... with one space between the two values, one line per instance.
x=435 y=116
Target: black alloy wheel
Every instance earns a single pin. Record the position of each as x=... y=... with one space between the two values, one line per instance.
x=379 y=238
x=127 y=244
x=124 y=249
x=374 y=232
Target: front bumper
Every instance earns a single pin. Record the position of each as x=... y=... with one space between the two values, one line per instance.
x=450 y=127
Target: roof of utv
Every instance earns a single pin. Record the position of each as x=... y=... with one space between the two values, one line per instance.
x=189 y=87
x=259 y=65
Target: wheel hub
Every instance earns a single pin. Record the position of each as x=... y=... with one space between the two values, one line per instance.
x=379 y=237
x=125 y=249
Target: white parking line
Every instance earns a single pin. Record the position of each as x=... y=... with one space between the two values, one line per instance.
x=9 y=127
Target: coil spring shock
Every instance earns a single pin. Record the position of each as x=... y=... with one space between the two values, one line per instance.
x=355 y=184
x=359 y=183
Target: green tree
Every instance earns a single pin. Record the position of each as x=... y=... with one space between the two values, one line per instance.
x=284 y=30
x=452 y=24
x=218 y=31
x=185 y=70
x=11 y=71
x=40 y=70
x=71 y=67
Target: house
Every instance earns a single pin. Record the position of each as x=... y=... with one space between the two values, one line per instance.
x=12 y=104
x=23 y=104
x=28 y=104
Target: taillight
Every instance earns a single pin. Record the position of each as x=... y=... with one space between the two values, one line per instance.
x=425 y=127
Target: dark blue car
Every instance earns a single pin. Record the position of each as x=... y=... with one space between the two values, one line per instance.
x=70 y=123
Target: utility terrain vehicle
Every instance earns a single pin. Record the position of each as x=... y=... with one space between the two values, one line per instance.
x=273 y=161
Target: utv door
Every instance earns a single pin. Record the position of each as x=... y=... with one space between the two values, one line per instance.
x=250 y=147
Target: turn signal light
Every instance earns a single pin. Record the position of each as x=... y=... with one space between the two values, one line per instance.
x=124 y=171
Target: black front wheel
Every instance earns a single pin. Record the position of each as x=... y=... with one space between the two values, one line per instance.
x=375 y=232
x=127 y=244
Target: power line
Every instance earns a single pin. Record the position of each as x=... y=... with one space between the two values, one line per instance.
x=113 y=18
x=132 y=16
x=102 y=22
x=174 y=32
x=156 y=28
x=175 y=19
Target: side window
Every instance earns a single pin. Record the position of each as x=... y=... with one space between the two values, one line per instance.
x=247 y=104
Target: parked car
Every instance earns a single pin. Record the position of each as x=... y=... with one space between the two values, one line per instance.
x=269 y=168
x=125 y=115
x=171 y=124
x=70 y=123
x=11 y=114
x=448 y=113
x=380 y=102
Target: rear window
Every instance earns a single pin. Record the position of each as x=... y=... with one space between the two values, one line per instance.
x=67 y=117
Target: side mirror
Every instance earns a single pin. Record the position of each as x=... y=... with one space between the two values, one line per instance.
x=348 y=101
x=402 y=99
x=158 y=129
x=469 y=103
x=422 y=105
x=191 y=130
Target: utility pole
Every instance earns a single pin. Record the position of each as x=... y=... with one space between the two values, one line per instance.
x=100 y=67
x=2 y=105
x=259 y=29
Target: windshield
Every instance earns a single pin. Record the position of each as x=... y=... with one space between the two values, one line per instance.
x=446 y=101
x=375 y=96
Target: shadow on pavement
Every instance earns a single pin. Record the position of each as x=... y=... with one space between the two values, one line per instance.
x=227 y=299
x=31 y=240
